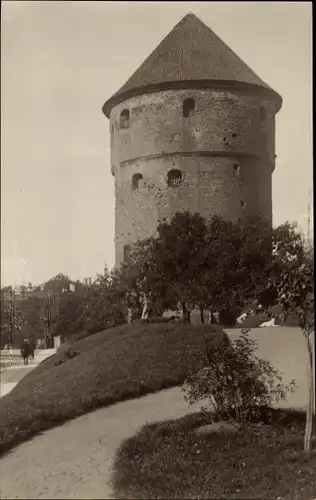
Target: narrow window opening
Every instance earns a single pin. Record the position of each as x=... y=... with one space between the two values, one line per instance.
x=188 y=108
x=174 y=178
x=136 y=180
x=243 y=204
x=263 y=114
x=124 y=119
x=236 y=168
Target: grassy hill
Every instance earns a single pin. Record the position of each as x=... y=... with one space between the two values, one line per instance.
x=114 y=365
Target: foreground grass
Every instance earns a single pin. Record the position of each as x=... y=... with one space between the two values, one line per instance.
x=169 y=460
x=117 y=364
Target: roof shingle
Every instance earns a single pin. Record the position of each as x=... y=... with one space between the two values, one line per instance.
x=190 y=53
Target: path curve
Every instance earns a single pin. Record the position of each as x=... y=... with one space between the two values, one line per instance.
x=74 y=460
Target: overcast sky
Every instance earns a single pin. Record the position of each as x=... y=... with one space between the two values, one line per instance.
x=61 y=60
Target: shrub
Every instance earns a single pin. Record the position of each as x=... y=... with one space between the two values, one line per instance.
x=237 y=382
x=158 y=319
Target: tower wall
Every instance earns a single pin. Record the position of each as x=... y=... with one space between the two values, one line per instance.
x=225 y=152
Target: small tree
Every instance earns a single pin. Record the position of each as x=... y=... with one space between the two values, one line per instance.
x=237 y=382
x=296 y=295
x=12 y=318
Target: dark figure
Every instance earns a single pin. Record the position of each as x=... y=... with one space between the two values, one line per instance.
x=25 y=351
x=32 y=349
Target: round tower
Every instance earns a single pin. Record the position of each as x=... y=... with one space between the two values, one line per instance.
x=192 y=130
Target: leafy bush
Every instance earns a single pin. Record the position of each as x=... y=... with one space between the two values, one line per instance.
x=159 y=319
x=237 y=382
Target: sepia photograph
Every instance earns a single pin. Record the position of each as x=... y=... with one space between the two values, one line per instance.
x=157 y=250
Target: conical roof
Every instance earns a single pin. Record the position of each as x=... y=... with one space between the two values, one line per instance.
x=190 y=54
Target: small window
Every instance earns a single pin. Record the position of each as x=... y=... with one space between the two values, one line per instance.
x=136 y=180
x=188 y=108
x=263 y=114
x=243 y=204
x=174 y=177
x=124 y=118
x=126 y=251
x=234 y=135
x=236 y=168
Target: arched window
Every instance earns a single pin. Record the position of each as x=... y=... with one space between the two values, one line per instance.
x=136 y=180
x=124 y=118
x=174 y=177
x=263 y=114
x=188 y=109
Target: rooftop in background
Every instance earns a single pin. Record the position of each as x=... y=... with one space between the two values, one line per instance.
x=191 y=52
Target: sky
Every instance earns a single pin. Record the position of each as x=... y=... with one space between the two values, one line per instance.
x=61 y=60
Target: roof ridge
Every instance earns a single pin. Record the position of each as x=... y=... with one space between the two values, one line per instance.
x=190 y=52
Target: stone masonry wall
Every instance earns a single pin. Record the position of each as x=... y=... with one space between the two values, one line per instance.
x=225 y=152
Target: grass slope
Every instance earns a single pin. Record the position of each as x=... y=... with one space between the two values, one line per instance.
x=117 y=364
x=169 y=460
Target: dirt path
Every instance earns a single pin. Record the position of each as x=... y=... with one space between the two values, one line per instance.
x=75 y=460
x=10 y=376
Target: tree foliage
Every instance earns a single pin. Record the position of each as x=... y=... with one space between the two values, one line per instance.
x=292 y=280
x=237 y=382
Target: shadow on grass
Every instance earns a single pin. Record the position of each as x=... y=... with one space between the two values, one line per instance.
x=170 y=460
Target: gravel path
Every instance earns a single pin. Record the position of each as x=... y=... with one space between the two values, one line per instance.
x=75 y=459
x=11 y=375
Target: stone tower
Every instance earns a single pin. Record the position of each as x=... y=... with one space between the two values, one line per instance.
x=193 y=129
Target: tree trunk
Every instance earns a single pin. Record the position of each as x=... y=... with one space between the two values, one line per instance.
x=310 y=405
x=188 y=316
x=184 y=309
x=202 y=315
x=186 y=313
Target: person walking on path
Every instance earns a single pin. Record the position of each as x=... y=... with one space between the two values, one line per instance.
x=25 y=351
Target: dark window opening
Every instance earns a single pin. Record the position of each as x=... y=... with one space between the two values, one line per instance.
x=234 y=135
x=243 y=204
x=136 y=180
x=236 y=168
x=188 y=108
x=124 y=118
x=174 y=177
x=126 y=251
x=263 y=113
